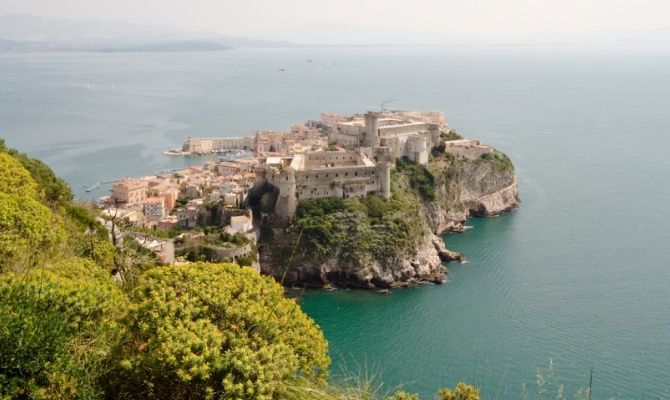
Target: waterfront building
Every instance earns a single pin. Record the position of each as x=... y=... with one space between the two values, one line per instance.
x=209 y=145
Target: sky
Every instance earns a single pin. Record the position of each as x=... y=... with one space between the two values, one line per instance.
x=376 y=21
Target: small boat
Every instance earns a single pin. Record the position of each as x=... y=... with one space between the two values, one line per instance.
x=281 y=70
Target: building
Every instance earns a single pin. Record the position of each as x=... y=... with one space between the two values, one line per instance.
x=130 y=192
x=239 y=224
x=342 y=174
x=211 y=145
x=403 y=136
x=227 y=168
x=154 y=209
x=187 y=216
x=164 y=249
x=299 y=140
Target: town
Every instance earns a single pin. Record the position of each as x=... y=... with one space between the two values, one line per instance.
x=202 y=213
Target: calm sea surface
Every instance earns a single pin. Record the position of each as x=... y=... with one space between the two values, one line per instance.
x=579 y=275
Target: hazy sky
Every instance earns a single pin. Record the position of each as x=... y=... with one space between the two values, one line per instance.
x=310 y=21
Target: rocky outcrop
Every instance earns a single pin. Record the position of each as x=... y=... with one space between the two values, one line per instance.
x=497 y=202
x=479 y=187
x=425 y=265
x=464 y=187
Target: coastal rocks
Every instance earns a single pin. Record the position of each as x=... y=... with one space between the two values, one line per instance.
x=486 y=188
x=423 y=266
x=444 y=253
x=498 y=202
x=443 y=221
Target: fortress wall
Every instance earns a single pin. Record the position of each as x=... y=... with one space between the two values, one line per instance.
x=332 y=157
x=467 y=148
x=344 y=139
x=402 y=129
x=327 y=175
x=352 y=130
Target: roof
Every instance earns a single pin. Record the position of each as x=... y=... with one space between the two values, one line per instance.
x=273 y=160
x=239 y=218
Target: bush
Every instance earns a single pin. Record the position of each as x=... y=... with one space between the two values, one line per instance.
x=215 y=331
x=355 y=228
x=402 y=395
x=450 y=135
x=420 y=179
x=57 y=328
x=462 y=391
x=50 y=189
x=27 y=229
x=15 y=179
x=500 y=161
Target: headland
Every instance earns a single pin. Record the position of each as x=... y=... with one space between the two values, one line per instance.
x=347 y=200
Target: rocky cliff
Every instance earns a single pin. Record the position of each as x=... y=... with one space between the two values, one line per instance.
x=371 y=243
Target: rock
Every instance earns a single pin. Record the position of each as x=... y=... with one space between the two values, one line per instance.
x=444 y=253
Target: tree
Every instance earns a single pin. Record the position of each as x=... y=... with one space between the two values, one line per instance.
x=214 y=331
x=58 y=325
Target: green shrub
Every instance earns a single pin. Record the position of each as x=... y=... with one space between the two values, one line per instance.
x=27 y=230
x=500 y=161
x=15 y=179
x=50 y=189
x=355 y=228
x=450 y=135
x=462 y=391
x=402 y=395
x=215 y=331
x=420 y=179
x=57 y=328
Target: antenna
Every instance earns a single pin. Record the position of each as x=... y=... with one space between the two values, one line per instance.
x=387 y=101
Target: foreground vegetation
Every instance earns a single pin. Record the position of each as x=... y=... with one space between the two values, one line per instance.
x=86 y=316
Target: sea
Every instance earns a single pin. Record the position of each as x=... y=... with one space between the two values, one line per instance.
x=570 y=291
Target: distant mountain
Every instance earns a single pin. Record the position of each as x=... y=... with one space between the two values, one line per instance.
x=22 y=32
x=183 y=45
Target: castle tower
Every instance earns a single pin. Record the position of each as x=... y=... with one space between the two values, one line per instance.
x=287 y=203
x=371 y=129
x=384 y=171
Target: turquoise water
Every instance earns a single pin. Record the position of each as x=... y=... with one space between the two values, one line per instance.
x=579 y=274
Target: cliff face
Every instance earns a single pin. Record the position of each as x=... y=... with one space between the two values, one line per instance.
x=463 y=187
x=424 y=265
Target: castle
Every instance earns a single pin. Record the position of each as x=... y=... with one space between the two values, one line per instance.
x=369 y=148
